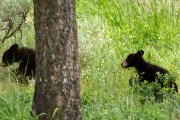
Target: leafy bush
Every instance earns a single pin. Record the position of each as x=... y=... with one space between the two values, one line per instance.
x=13 y=14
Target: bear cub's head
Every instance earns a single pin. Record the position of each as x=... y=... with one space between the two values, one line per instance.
x=10 y=55
x=133 y=59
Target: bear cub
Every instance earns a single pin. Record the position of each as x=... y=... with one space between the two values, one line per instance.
x=146 y=70
x=24 y=56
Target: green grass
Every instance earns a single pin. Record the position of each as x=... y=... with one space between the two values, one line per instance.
x=108 y=31
x=15 y=102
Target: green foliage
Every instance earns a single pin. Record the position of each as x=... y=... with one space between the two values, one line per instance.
x=11 y=8
x=13 y=15
x=15 y=101
x=108 y=31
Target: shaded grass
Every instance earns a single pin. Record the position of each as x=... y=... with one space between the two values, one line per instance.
x=15 y=101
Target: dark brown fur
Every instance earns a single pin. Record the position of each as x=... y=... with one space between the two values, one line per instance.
x=146 y=71
x=24 y=56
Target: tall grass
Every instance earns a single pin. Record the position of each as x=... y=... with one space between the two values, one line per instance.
x=15 y=101
x=108 y=31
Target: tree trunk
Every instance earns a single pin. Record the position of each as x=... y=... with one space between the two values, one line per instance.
x=57 y=92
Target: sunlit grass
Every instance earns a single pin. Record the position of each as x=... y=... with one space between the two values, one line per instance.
x=108 y=31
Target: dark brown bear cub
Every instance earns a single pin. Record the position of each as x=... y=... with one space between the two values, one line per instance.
x=24 y=56
x=147 y=71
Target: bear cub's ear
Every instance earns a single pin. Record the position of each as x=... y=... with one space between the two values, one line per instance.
x=14 y=47
x=140 y=52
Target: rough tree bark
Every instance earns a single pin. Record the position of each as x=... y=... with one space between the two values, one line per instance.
x=57 y=92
